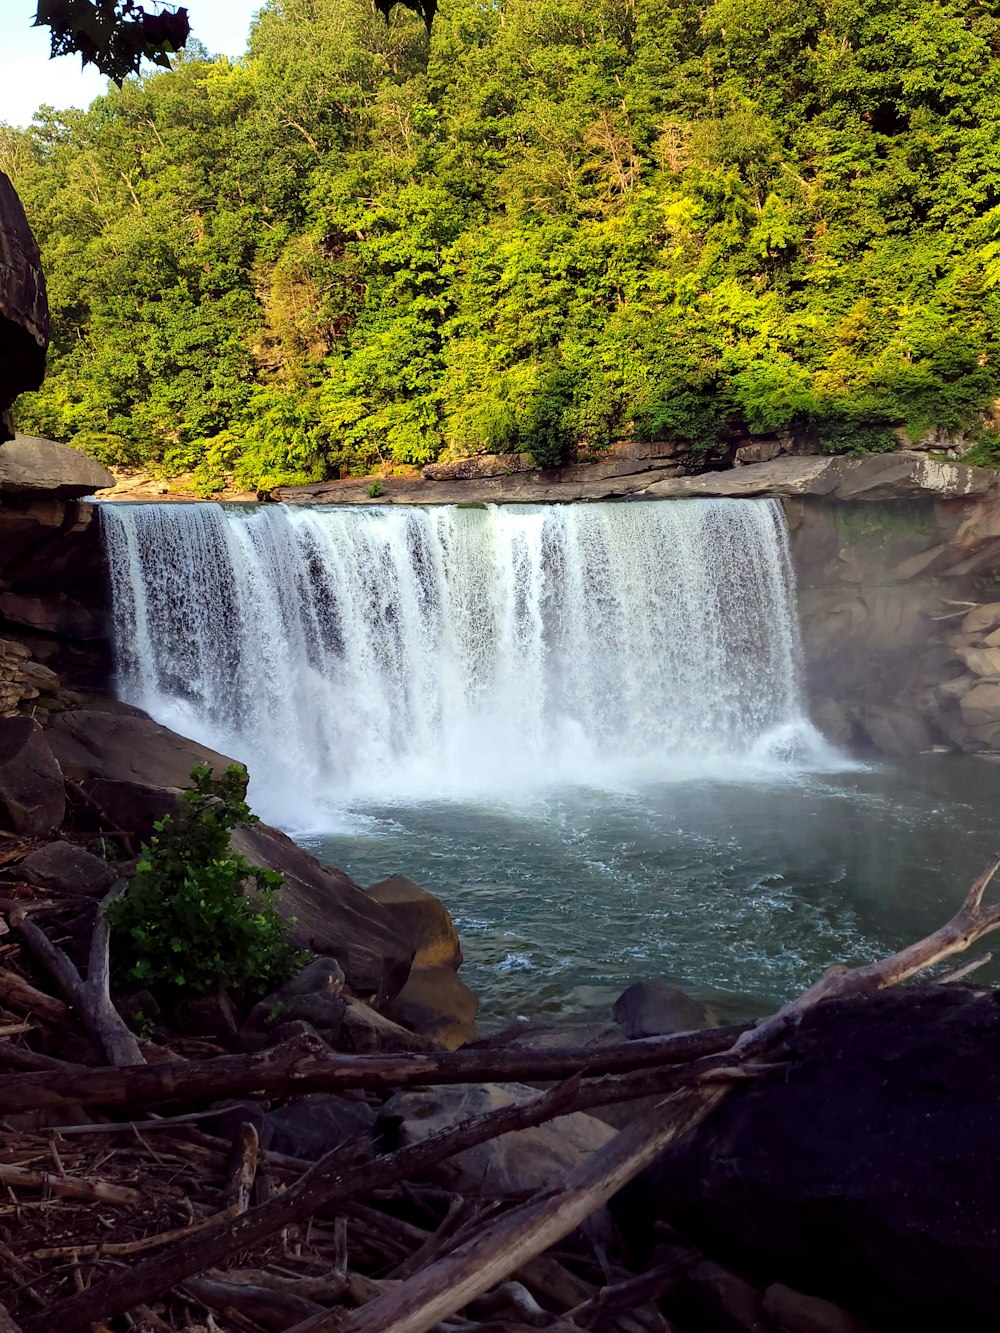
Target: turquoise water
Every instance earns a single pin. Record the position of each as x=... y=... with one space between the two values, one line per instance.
x=742 y=892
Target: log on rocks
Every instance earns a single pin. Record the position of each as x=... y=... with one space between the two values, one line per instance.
x=864 y=1175
x=307 y=1065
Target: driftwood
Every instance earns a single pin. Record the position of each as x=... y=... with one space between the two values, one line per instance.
x=91 y=998
x=19 y=994
x=468 y=1261
x=306 y=1064
x=66 y=1187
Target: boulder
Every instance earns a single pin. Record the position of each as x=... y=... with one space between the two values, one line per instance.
x=760 y=451
x=982 y=619
x=980 y=661
x=32 y=790
x=331 y=915
x=66 y=868
x=981 y=705
x=651 y=1009
x=895 y=731
x=421 y=919
x=131 y=766
x=366 y=1032
x=314 y=997
x=316 y=1124
x=29 y=463
x=862 y=1172
x=528 y=1159
x=437 y=1004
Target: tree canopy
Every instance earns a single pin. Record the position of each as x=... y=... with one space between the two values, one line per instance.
x=547 y=223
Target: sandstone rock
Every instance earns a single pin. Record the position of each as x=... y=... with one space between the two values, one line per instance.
x=761 y=451
x=331 y=915
x=982 y=618
x=795 y=1312
x=437 y=1004
x=859 y=1173
x=833 y=721
x=895 y=731
x=651 y=1009
x=314 y=997
x=24 y=313
x=66 y=868
x=529 y=1159
x=212 y=1015
x=131 y=766
x=32 y=791
x=54 y=614
x=365 y=1031
x=28 y=463
x=422 y=919
x=481 y=465
x=956 y=688
x=873 y=477
x=318 y=1123
x=981 y=661
x=981 y=704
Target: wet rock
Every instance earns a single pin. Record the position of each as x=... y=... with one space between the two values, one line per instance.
x=861 y=1173
x=528 y=1159
x=52 y=613
x=66 y=868
x=32 y=791
x=436 y=1003
x=895 y=731
x=421 y=919
x=795 y=1312
x=318 y=1123
x=331 y=915
x=651 y=1009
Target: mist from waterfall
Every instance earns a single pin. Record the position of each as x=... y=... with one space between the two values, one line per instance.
x=372 y=654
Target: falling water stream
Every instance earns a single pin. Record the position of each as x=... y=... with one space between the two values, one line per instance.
x=582 y=725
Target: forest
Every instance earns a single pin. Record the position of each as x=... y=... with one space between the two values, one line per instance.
x=544 y=226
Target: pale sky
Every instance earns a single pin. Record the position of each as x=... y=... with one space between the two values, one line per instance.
x=28 y=78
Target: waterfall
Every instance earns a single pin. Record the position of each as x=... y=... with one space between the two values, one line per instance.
x=379 y=653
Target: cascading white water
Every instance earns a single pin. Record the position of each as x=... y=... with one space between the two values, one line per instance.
x=371 y=654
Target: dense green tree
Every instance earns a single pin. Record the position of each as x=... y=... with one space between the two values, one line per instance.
x=545 y=224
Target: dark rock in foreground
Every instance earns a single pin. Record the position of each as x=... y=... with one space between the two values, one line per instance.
x=866 y=1172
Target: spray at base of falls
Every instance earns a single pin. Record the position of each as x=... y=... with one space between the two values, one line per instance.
x=362 y=655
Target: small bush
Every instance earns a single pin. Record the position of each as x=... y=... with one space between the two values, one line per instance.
x=186 y=924
x=374 y=490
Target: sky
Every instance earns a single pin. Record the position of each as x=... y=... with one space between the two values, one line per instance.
x=29 y=79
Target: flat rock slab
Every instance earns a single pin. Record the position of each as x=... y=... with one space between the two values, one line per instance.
x=895 y=476
x=29 y=463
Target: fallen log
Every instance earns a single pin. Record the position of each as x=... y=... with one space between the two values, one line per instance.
x=67 y=1187
x=90 y=998
x=306 y=1064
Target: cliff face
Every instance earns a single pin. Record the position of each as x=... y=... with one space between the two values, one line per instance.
x=24 y=313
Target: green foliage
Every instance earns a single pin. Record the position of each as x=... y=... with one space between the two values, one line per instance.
x=196 y=915
x=374 y=490
x=548 y=225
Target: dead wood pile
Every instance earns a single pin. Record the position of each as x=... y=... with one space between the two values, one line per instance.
x=135 y=1191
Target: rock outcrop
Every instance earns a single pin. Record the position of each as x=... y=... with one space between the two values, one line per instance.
x=24 y=312
x=863 y=1173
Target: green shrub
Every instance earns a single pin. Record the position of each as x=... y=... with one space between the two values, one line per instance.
x=374 y=490
x=196 y=915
